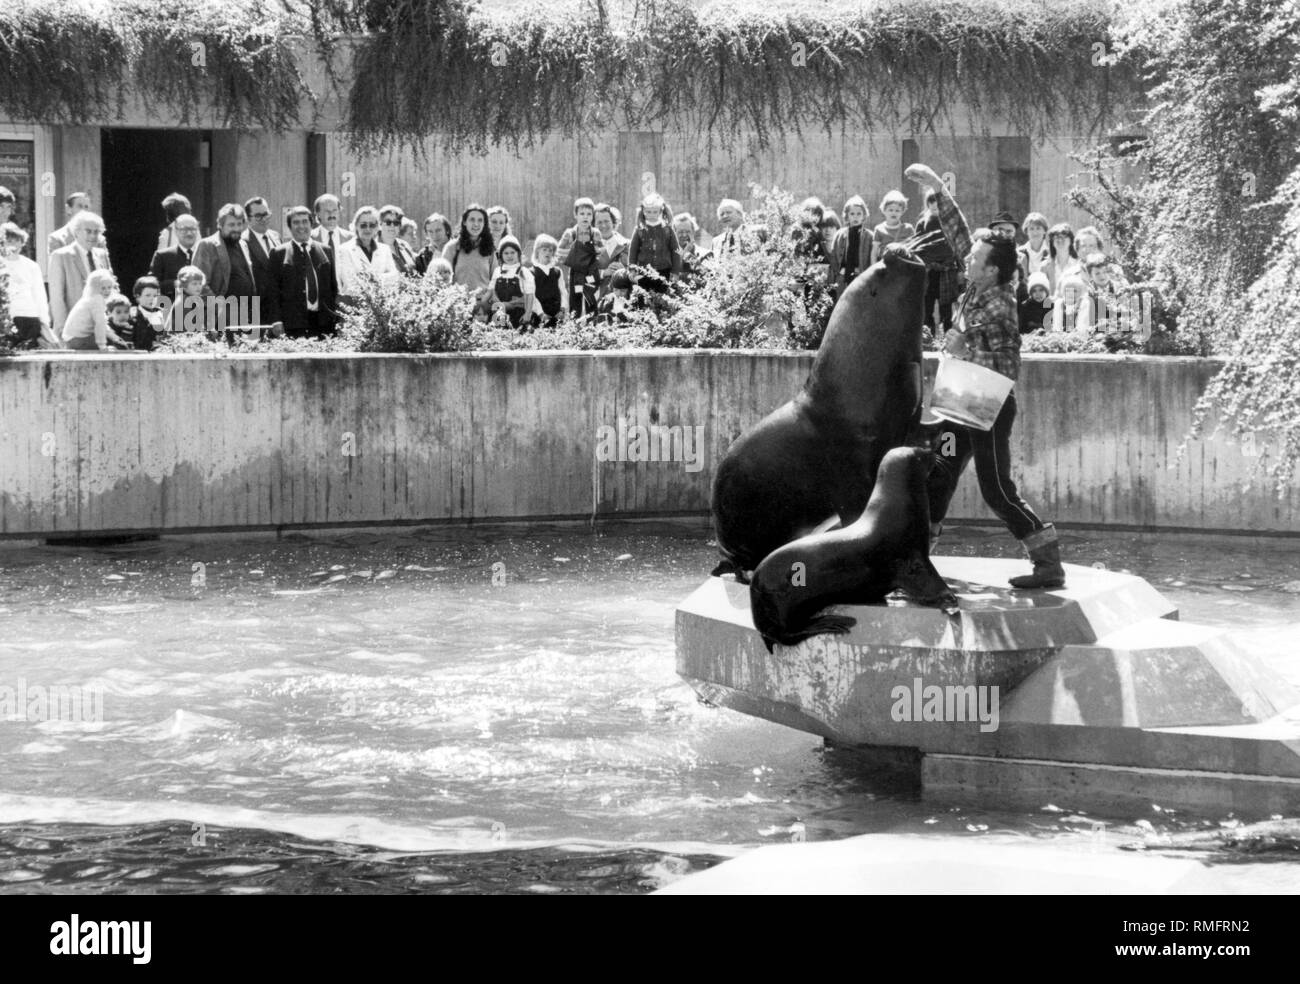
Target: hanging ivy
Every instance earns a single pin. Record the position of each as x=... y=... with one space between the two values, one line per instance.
x=65 y=62
x=474 y=77
x=59 y=62
x=477 y=78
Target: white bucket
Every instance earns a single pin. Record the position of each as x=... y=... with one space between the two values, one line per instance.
x=969 y=394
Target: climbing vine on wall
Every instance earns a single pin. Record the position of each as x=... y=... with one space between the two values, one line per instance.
x=69 y=62
x=479 y=77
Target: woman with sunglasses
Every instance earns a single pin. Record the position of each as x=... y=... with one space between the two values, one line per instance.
x=364 y=256
x=390 y=229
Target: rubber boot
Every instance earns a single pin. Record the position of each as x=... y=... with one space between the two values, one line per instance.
x=1045 y=551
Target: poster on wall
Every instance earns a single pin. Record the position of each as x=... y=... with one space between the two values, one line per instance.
x=18 y=174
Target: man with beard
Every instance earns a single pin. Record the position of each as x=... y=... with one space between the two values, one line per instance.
x=228 y=267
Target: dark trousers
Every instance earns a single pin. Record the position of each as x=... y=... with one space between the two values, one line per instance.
x=932 y=295
x=582 y=299
x=314 y=324
x=27 y=331
x=992 y=453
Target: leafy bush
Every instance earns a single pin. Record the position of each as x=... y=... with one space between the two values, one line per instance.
x=757 y=299
x=407 y=314
x=1222 y=135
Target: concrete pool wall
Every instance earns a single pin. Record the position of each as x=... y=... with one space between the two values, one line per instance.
x=116 y=443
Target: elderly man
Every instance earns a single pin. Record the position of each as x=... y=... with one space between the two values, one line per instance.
x=300 y=285
x=226 y=263
x=174 y=206
x=327 y=232
x=166 y=263
x=986 y=332
x=735 y=234
x=77 y=202
x=71 y=265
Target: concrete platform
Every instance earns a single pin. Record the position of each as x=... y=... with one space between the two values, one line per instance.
x=1040 y=685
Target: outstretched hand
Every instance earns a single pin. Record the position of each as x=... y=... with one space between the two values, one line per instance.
x=922 y=175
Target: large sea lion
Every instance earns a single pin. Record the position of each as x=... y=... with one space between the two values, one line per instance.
x=887 y=548
x=816 y=456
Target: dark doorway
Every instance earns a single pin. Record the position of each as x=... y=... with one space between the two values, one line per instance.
x=141 y=167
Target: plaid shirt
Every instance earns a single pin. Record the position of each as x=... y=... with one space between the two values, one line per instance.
x=988 y=316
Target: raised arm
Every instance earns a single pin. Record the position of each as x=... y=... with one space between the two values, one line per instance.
x=955 y=229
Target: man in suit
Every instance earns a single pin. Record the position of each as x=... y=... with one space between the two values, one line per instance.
x=167 y=263
x=261 y=239
x=300 y=284
x=328 y=233
x=174 y=206
x=225 y=260
x=71 y=265
x=77 y=202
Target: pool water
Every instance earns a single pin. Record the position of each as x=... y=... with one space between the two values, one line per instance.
x=465 y=709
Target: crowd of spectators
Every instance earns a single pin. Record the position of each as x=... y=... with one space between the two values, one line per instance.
x=243 y=274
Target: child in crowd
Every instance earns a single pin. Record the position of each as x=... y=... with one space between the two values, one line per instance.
x=439 y=271
x=513 y=288
x=87 y=328
x=189 y=313
x=147 y=317
x=1069 y=302
x=808 y=233
x=615 y=304
x=1036 y=306
x=850 y=254
x=654 y=244
x=579 y=252
x=118 y=311
x=1100 y=309
x=552 y=299
x=830 y=227
x=893 y=229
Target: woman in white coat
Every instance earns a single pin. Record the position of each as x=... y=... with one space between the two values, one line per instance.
x=365 y=255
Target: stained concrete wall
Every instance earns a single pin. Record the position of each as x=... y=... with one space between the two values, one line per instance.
x=107 y=443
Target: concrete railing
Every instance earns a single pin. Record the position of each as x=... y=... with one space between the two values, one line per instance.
x=96 y=443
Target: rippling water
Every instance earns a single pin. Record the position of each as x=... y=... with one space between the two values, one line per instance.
x=481 y=709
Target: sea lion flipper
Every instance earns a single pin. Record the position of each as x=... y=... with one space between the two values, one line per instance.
x=821 y=625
